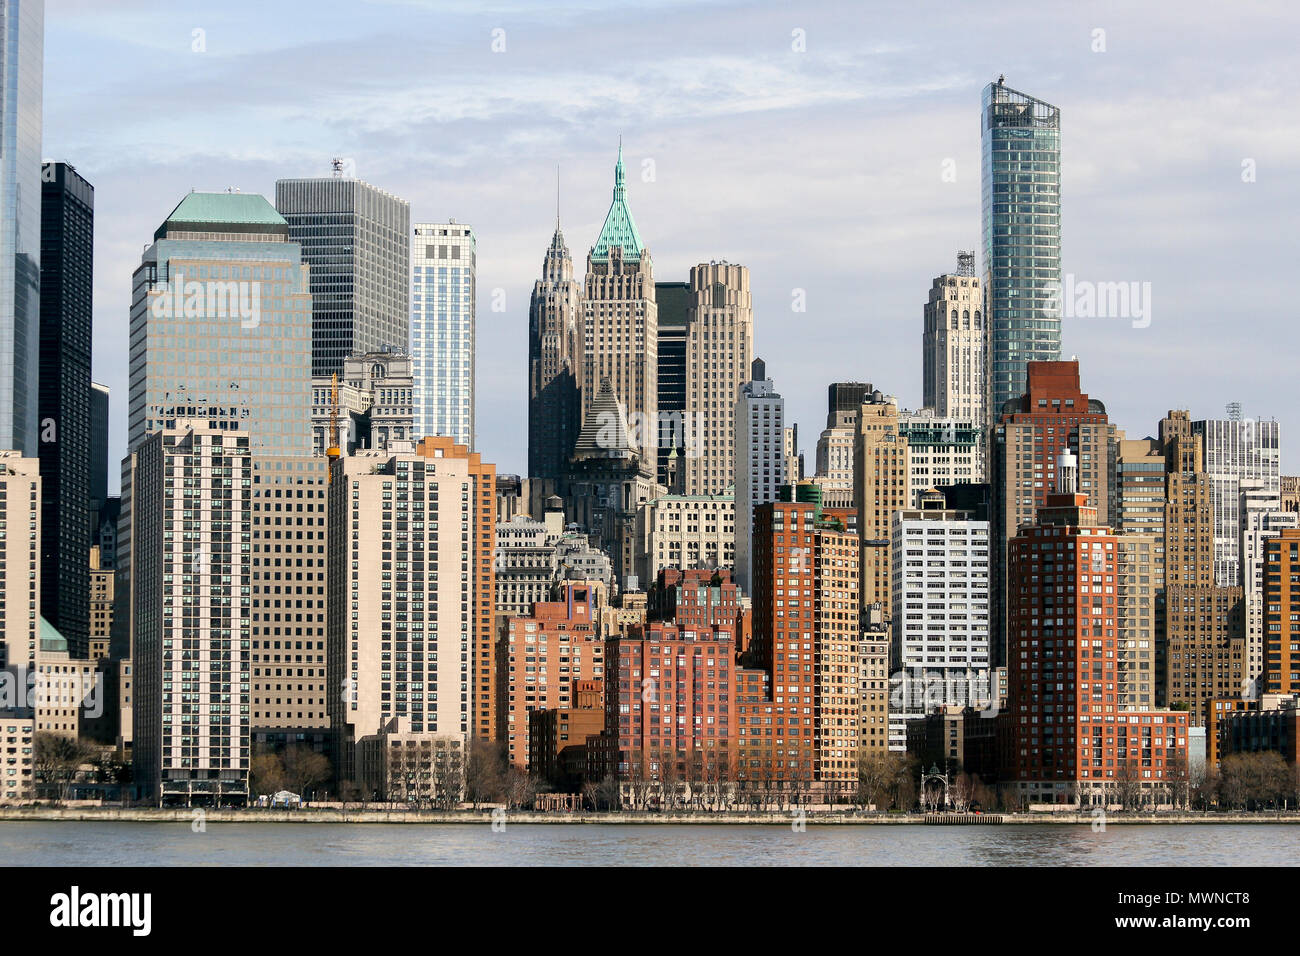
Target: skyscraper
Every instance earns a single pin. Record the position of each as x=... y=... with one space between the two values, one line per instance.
x=719 y=347
x=67 y=255
x=760 y=460
x=191 y=613
x=356 y=241
x=20 y=559
x=880 y=456
x=672 y=303
x=1237 y=450
x=1021 y=198
x=555 y=363
x=443 y=270
x=22 y=29
x=221 y=322
x=621 y=322
x=835 y=444
x=99 y=402
x=953 y=346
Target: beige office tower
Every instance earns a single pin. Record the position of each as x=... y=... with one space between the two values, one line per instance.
x=1290 y=492
x=621 y=322
x=952 y=345
x=1205 y=650
x=20 y=560
x=1136 y=592
x=288 y=589
x=719 y=348
x=880 y=488
x=191 y=543
x=409 y=596
x=835 y=459
x=790 y=448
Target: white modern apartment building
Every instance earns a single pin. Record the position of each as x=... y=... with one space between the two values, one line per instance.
x=1258 y=525
x=191 y=609
x=940 y=568
x=1237 y=451
x=760 y=460
x=942 y=451
x=443 y=276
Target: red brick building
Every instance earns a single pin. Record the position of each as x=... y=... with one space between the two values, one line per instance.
x=1067 y=736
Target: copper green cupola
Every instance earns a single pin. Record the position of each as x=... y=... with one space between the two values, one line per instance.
x=619 y=229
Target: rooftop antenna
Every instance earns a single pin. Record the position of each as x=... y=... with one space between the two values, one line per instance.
x=336 y=164
x=1234 y=411
x=557 y=197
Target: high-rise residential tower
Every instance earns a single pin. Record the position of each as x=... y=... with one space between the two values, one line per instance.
x=22 y=28
x=880 y=456
x=1021 y=214
x=20 y=559
x=952 y=345
x=444 y=266
x=356 y=241
x=760 y=460
x=192 y=526
x=719 y=347
x=67 y=256
x=555 y=363
x=621 y=322
x=1237 y=451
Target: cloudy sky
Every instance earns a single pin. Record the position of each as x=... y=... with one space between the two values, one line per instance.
x=807 y=142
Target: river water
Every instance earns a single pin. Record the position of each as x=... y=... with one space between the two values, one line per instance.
x=69 y=843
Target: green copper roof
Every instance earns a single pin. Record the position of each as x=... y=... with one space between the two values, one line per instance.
x=231 y=209
x=51 y=640
x=619 y=228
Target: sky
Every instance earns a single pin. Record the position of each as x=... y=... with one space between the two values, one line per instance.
x=833 y=148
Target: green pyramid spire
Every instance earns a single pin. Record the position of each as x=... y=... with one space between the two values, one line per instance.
x=620 y=227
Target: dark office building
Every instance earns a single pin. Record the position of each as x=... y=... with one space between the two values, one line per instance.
x=846 y=397
x=64 y=402
x=673 y=301
x=98 y=454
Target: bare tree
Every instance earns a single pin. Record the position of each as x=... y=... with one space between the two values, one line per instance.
x=305 y=769
x=484 y=772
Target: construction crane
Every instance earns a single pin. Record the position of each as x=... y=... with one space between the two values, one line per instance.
x=333 y=452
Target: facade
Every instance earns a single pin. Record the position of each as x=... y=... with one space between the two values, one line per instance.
x=409 y=595
x=807 y=637
x=542 y=657
x=17 y=743
x=1020 y=175
x=287 y=571
x=1073 y=734
x=1290 y=492
x=101 y=606
x=20 y=560
x=719 y=349
x=64 y=404
x=1258 y=528
x=760 y=460
x=953 y=345
x=689 y=531
x=880 y=475
x=417 y=768
x=376 y=404
x=1282 y=613
x=444 y=273
x=940 y=451
x=191 y=578
x=673 y=305
x=21 y=77
x=556 y=360
x=99 y=396
x=356 y=243
x=940 y=567
x=621 y=325
x=557 y=738
x=835 y=444
x=1239 y=453
x=1053 y=415
x=221 y=325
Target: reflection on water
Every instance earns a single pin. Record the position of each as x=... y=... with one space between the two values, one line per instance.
x=288 y=844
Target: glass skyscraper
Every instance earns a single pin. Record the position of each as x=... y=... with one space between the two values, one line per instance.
x=22 y=47
x=1021 y=198
x=221 y=325
x=443 y=269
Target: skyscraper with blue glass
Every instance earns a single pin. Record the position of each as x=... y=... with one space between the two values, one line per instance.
x=443 y=263
x=22 y=47
x=1021 y=199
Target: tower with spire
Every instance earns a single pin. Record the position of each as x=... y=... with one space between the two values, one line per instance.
x=621 y=322
x=555 y=360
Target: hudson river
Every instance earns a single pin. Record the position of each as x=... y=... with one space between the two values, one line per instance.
x=70 y=843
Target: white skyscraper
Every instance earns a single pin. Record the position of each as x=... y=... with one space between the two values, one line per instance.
x=940 y=567
x=1237 y=451
x=760 y=460
x=443 y=266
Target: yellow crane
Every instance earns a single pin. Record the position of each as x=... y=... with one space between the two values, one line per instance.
x=333 y=452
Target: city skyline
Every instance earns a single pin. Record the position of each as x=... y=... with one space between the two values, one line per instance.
x=886 y=121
